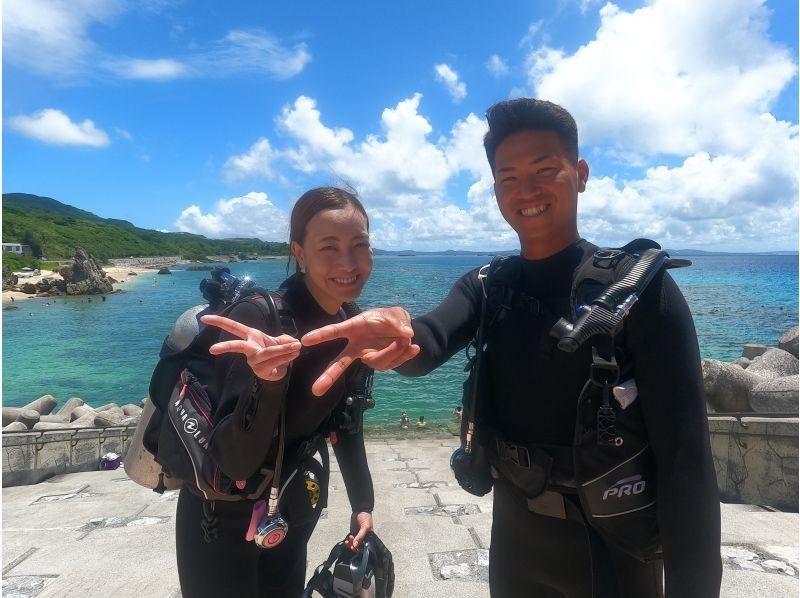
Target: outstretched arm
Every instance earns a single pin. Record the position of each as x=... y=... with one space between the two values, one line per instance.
x=381 y=338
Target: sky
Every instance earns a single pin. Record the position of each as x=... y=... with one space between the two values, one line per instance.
x=212 y=117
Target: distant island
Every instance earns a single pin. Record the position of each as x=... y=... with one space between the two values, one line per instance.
x=53 y=229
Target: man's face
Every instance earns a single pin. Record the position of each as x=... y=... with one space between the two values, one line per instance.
x=537 y=184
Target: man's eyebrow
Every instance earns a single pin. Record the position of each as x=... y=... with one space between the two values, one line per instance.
x=534 y=161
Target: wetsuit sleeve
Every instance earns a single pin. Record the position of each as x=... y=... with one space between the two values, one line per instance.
x=663 y=344
x=447 y=329
x=248 y=407
x=352 y=459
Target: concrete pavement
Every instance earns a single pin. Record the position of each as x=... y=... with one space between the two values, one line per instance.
x=98 y=534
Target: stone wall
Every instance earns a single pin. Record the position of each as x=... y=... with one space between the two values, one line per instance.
x=756 y=460
x=145 y=262
x=31 y=457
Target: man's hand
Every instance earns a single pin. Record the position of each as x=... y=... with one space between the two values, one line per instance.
x=360 y=525
x=268 y=356
x=381 y=338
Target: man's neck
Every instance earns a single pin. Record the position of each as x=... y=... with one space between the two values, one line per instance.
x=540 y=249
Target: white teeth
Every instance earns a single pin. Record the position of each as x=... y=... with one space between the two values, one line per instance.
x=534 y=211
x=345 y=280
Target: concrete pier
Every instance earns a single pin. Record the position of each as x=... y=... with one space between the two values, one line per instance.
x=98 y=534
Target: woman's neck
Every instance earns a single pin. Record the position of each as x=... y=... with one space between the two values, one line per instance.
x=329 y=304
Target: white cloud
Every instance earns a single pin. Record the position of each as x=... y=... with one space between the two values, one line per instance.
x=51 y=37
x=673 y=77
x=163 y=69
x=742 y=203
x=256 y=163
x=496 y=66
x=394 y=169
x=585 y=5
x=446 y=75
x=253 y=52
x=695 y=82
x=55 y=128
x=251 y=215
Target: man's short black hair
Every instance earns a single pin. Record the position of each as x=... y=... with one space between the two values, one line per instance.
x=509 y=116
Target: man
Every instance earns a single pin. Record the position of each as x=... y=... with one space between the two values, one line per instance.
x=532 y=147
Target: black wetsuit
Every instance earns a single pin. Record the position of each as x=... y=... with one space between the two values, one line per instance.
x=229 y=565
x=533 y=394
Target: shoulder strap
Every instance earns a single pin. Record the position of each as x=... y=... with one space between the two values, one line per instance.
x=616 y=278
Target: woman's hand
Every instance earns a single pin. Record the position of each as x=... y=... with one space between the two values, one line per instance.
x=268 y=356
x=381 y=338
x=360 y=525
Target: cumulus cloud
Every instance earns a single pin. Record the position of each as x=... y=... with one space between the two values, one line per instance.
x=496 y=66
x=447 y=76
x=251 y=215
x=672 y=77
x=55 y=128
x=256 y=163
x=692 y=82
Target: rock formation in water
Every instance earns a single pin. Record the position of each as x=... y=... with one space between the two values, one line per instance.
x=85 y=276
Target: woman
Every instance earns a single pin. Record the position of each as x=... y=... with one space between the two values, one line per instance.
x=330 y=243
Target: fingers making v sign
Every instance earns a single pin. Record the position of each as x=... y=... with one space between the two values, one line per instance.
x=268 y=356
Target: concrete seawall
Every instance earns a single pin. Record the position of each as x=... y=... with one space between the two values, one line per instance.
x=756 y=458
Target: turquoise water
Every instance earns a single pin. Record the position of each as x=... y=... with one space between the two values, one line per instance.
x=105 y=351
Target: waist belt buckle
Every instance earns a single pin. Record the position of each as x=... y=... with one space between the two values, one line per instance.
x=517 y=454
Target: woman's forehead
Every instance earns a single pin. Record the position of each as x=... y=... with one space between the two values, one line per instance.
x=339 y=222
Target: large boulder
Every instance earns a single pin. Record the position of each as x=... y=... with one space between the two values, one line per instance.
x=85 y=276
x=10 y=279
x=774 y=363
x=727 y=386
x=753 y=350
x=788 y=342
x=779 y=395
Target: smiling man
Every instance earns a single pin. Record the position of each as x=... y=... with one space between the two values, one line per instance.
x=542 y=544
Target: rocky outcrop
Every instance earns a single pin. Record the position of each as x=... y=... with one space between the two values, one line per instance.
x=39 y=415
x=776 y=395
x=788 y=342
x=10 y=279
x=774 y=363
x=85 y=276
x=764 y=379
x=164 y=270
x=727 y=386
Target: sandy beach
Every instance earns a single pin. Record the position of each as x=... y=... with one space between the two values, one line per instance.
x=121 y=275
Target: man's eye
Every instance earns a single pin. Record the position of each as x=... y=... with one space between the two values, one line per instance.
x=508 y=179
x=546 y=170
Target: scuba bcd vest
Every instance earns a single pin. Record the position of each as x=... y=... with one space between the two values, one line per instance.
x=611 y=461
x=366 y=573
x=174 y=440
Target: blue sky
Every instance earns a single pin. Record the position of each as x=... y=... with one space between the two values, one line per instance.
x=214 y=117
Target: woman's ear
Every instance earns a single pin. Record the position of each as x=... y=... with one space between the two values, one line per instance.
x=297 y=252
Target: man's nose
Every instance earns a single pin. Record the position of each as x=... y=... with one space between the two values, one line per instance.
x=531 y=186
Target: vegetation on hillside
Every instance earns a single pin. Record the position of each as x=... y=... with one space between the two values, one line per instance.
x=54 y=229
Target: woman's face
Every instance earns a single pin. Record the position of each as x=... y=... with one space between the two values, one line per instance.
x=336 y=256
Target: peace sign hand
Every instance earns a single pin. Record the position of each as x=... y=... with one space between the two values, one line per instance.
x=380 y=337
x=268 y=356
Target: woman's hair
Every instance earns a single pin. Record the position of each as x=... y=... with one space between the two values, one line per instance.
x=314 y=201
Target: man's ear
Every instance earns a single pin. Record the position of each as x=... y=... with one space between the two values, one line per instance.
x=583 y=175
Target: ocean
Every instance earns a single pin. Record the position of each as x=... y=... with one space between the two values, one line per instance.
x=105 y=351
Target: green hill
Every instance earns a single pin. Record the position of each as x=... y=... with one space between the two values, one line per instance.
x=54 y=229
